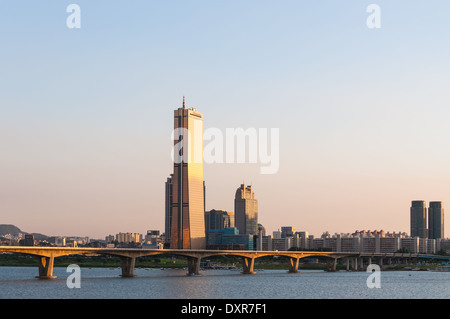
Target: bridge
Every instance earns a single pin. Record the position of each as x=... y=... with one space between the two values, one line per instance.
x=47 y=255
x=447 y=258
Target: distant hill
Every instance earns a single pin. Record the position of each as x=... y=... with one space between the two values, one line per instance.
x=13 y=230
x=37 y=236
x=9 y=229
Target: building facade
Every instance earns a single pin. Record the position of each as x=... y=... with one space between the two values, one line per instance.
x=246 y=210
x=218 y=219
x=443 y=245
x=127 y=238
x=436 y=220
x=418 y=218
x=187 y=224
x=229 y=239
x=358 y=242
x=168 y=209
x=287 y=231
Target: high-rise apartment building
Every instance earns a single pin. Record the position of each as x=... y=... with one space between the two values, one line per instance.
x=435 y=220
x=187 y=220
x=419 y=219
x=127 y=238
x=246 y=210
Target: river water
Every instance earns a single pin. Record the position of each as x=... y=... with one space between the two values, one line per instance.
x=106 y=283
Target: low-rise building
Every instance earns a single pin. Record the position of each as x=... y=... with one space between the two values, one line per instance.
x=229 y=238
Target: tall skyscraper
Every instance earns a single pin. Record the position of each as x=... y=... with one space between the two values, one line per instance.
x=246 y=210
x=436 y=220
x=188 y=191
x=168 y=207
x=419 y=219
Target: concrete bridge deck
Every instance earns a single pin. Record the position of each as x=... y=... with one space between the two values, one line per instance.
x=46 y=256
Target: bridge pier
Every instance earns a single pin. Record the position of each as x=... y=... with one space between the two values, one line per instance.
x=364 y=265
x=380 y=262
x=331 y=265
x=293 y=265
x=355 y=264
x=193 y=265
x=46 y=267
x=127 y=264
x=247 y=265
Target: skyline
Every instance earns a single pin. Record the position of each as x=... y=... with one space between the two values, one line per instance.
x=87 y=114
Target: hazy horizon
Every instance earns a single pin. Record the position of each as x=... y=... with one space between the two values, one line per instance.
x=87 y=114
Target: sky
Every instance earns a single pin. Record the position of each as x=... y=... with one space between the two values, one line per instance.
x=86 y=114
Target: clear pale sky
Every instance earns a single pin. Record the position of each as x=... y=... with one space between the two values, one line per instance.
x=86 y=114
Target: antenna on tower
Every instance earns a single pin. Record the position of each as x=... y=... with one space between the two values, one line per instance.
x=184 y=103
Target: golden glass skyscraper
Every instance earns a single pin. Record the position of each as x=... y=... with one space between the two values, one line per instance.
x=188 y=202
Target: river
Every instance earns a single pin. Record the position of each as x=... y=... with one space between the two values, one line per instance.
x=106 y=283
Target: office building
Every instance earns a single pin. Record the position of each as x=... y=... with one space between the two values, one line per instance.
x=266 y=242
x=246 y=210
x=168 y=210
x=218 y=219
x=229 y=239
x=436 y=220
x=152 y=236
x=29 y=240
x=187 y=212
x=276 y=234
x=287 y=231
x=153 y=240
x=418 y=218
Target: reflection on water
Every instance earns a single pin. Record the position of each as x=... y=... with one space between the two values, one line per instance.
x=20 y=282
